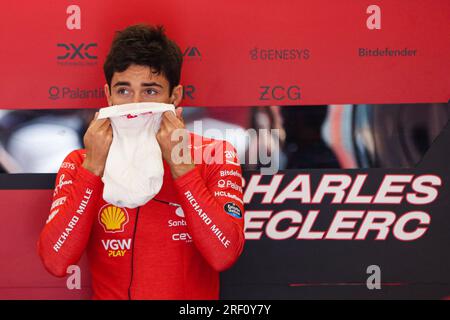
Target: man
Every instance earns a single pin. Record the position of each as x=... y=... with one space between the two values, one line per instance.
x=174 y=246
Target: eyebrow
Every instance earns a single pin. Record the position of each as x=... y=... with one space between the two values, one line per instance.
x=143 y=84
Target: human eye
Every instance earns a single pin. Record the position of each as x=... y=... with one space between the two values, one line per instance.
x=123 y=91
x=150 y=92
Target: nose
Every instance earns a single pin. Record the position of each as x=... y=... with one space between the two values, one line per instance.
x=137 y=98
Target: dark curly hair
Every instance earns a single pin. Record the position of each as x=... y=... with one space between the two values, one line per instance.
x=144 y=45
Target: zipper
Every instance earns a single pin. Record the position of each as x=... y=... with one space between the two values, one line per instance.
x=167 y=202
x=134 y=237
x=132 y=253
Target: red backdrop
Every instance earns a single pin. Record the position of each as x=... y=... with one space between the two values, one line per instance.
x=231 y=51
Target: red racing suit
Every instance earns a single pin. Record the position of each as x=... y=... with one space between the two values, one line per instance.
x=173 y=247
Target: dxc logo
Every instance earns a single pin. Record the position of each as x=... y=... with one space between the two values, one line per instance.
x=73 y=51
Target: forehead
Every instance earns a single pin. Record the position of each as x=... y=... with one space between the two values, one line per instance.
x=135 y=74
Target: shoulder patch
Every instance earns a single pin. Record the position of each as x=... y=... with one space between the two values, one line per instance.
x=232 y=209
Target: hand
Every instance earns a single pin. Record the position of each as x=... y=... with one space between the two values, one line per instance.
x=172 y=123
x=97 y=141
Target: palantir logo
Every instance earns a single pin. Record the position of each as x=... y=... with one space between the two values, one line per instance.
x=56 y=92
x=53 y=93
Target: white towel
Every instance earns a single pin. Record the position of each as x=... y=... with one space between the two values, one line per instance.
x=134 y=169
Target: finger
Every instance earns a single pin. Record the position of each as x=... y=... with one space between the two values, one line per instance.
x=104 y=125
x=166 y=119
x=162 y=128
x=178 y=112
x=93 y=119
x=104 y=122
x=100 y=123
x=169 y=115
x=163 y=124
x=109 y=132
x=172 y=118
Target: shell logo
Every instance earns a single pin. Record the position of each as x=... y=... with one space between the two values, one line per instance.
x=112 y=218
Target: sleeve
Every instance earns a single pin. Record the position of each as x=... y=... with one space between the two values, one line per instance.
x=213 y=208
x=68 y=227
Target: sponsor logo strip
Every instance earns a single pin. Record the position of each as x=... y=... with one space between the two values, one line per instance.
x=73 y=222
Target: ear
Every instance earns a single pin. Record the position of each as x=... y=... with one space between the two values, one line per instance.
x=177 y=95
x=108 y=94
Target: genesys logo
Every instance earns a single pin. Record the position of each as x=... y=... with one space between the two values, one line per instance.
x=280 y=54
x=113 y=219
x=68 y=165
x=117 y=247
x=57 y=92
